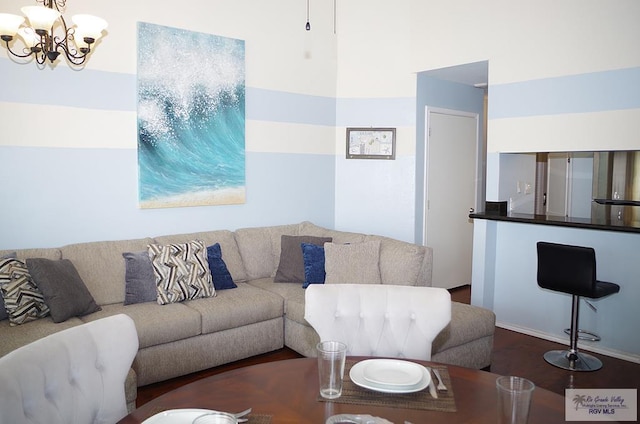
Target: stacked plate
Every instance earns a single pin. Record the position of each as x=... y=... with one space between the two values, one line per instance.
x=390 y=375
x=190 y=416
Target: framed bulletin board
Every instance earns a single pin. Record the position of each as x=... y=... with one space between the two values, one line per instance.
x=371 y=143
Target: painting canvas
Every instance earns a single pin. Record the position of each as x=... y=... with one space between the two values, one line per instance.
x=191 y=118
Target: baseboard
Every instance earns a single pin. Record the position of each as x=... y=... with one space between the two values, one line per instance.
x=582 y=345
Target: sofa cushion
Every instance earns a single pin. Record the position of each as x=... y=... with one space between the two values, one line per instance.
x=14 y=337
x=140 y=281
x=356 y=263
x=182 y=271
x=291 y=265
x=400 y=262
x=241 y=306
x=340 y=237
x=228 y=247
x=260 y=248
x=467 y=323
x=293 y=295
x=22 y=254
x=156 y=324
x=64 y=291
x=219 y=273
x=22 y=300
x=313 y=260
x=102 y=267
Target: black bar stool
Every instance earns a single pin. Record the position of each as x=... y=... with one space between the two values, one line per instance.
x=572 y=270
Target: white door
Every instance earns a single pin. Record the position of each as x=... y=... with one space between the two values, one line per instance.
x=452 y=146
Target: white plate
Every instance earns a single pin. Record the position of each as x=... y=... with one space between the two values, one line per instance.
x=356 y=419
x=357 y=376
x=392 y=372
x=176 y=416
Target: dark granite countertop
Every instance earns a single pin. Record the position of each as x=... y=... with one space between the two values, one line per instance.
x=592 y=224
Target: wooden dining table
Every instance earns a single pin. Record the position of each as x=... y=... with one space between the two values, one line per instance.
x=286 y=392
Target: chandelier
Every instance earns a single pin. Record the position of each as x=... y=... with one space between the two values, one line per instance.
x=47 y=35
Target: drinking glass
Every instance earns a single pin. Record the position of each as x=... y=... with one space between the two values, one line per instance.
x=331 y=358
x=514 y=399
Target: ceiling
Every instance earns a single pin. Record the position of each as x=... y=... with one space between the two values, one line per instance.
x=476 y=74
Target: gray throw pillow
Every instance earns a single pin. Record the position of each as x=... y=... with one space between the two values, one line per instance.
x=357 y=263
x=64 y=291
x=140 y=281
x=291 y=266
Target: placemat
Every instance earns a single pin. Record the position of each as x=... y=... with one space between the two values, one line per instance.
x=354 y=394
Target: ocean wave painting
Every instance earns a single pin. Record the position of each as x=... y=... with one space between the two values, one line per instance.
x=191 y=118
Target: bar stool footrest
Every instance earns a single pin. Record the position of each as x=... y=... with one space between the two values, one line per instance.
x=573 y=361
x=584 y=335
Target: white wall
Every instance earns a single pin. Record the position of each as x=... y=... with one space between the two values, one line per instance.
x=518 y=170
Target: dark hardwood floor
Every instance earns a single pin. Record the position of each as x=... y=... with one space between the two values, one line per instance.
x=513 y=354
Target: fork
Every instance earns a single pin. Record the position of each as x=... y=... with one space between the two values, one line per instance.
x=441 y=387
x=243 y=413
x=238 y=416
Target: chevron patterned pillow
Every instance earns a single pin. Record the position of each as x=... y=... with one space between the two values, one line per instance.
x=181 y=271
x=23 y=300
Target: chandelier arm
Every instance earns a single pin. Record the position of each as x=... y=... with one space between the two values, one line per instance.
x=41 y=57
x=69 y=53
x=14 y=53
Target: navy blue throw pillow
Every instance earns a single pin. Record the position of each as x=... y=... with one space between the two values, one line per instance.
x=313 y=257
x=222 y=279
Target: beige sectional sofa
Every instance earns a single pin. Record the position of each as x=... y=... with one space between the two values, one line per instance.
x=258 y=316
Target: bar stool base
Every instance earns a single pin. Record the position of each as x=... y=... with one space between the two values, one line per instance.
x=573 y=361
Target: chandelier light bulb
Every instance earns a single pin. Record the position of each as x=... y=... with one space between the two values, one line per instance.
x=89 y=25
x=9 y=24
x=87 y=31
x=29 y=37
x=41 y=18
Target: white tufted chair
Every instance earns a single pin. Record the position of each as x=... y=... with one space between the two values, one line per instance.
x=73 y=376
x=379 y=320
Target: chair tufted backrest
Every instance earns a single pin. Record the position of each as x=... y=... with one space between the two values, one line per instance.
x=72 y=376
x=377 y=319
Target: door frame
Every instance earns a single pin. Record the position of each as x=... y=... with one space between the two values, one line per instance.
x=479 y=180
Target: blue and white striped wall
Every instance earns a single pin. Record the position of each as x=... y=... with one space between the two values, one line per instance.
x=70 y=161
x=68 y=138
x=583 y=112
